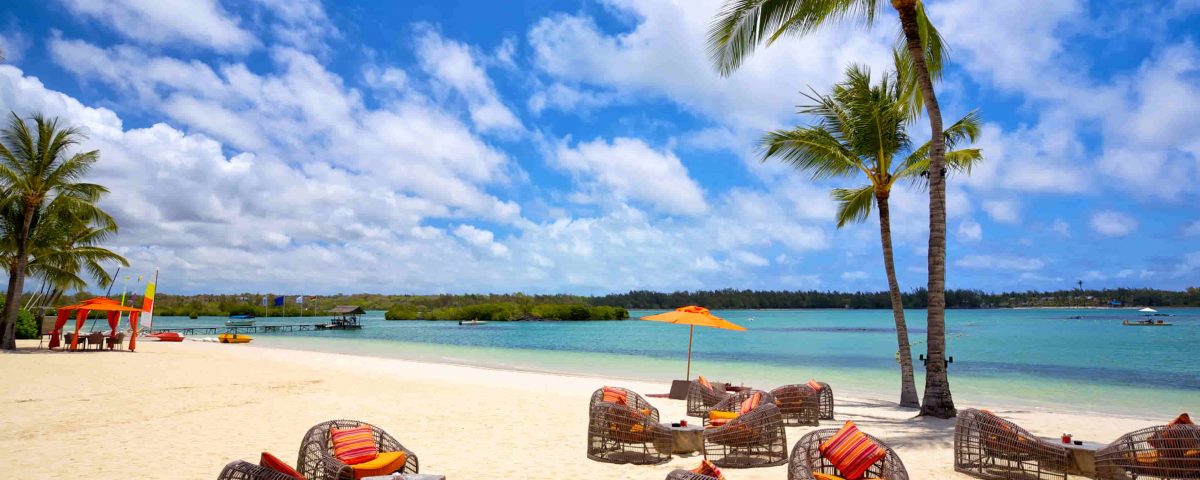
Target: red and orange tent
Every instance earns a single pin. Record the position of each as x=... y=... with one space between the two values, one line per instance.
x=81 y=310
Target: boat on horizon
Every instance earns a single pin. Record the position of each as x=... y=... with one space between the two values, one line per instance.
x=471 y=322
x=1146 y=323
x=240 y=321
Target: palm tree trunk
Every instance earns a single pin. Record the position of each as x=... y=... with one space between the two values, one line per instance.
x=908 y=385
x=937 y=402
x=16 y=283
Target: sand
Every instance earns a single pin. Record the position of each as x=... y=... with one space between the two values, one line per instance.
x=184 y=410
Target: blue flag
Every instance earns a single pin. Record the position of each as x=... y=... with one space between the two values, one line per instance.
x=278 y=301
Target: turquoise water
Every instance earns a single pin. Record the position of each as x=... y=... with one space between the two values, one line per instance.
x=1040 y=358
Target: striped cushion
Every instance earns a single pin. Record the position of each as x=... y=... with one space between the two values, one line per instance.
x=615 y=395
x=274 y=463
x=851 y=451
x=354 y=445
x=814 y=385
x=703 y=381
x=1177 y=439
x=751 y=403
x=706 y=468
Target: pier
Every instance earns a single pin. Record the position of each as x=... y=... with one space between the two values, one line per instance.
x=255 y=329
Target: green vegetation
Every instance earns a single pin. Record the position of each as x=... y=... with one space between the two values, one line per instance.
x=737 y=299
x=503 y=312
x=50 y=224
x=27 y=326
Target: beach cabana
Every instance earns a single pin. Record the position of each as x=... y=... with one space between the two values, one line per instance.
x=693 y=316
x=81 y=311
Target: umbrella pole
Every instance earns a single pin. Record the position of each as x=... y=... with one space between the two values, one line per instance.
x=691 y=331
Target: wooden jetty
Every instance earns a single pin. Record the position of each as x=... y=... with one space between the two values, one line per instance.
x=293 y=327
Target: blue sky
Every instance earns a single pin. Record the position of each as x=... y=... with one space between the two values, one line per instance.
x=589 y=146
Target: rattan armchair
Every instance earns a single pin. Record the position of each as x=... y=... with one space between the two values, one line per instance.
x=1152 y=453
x=754 y=439
x=701 y=399
x=987 y=446
x=806 y=459
x=627 y=433
x=681 y=474
x=799 y=404
x=243 y=470
x=826 y=402
x=317 y=462
x=733 y=403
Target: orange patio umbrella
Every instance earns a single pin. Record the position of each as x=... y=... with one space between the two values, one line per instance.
x=693 y=316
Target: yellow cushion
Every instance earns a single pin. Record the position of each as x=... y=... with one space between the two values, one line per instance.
x=722 y=415
x=383 y=464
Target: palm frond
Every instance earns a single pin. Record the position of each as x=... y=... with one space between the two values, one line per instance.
x=814 y=150
x=853 y=204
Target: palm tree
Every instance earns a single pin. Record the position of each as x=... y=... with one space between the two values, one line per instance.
x=743 y=24
x=40 y=175
x=862 y=131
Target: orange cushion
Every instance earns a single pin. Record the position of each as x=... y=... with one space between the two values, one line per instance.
x=615 y=395
x=851 y=451
x=814 y=385
x=385 y=463
x=270 y=461
x=826 y=476
x=751 y=403
x=704 y=382
x=354 y=445
x=1179 y=439
x=708 y=469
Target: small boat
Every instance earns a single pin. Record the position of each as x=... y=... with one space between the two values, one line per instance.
x=233 y=338
x=344 y=318
x=471 y=322
x=166 y=336
x=240 y=322
x=1146 y=323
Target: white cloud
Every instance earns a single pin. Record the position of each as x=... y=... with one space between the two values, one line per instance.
x=482 y=239
x=970 y=230
x=199 y=22
x=13 y=43
x=856 y=275
x=627 y=168
x=1192 y=229
x=1000 y=262
x=1113 y=224
x=299 y=23
x=1003 y=211
x=746 y=258
x=1061 y=227
x=453 y=64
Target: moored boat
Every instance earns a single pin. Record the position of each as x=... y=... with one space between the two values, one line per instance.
x=472 y=322
x=1146 y=323
x=166 y=336
x=240 y=321
x=233 y=338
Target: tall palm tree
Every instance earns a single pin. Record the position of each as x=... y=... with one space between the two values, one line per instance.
x=862 y=130
x=743 y=24
x=39 y=173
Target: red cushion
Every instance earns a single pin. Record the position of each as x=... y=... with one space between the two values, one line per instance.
x=814 y=385
x=615 y=395
x=851 y=451
x=751 y=403
x=269 y=461
x=354 y=445
x=706 y=468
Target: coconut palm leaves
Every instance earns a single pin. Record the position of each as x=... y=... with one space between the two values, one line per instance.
x=861 y=130
x=50 y=222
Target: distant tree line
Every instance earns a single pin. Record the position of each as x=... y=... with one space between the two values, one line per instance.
x=503 y=312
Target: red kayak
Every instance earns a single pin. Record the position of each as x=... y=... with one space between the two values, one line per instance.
x=166 y=336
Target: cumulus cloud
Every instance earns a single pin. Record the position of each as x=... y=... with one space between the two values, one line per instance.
x=1003 y=211
x=627 y=168
x=970 y=230
x=454 y=65
x=856 y=275
x=198 y=22
x=1111 y=223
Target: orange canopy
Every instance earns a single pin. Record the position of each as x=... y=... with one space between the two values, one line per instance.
x=81 y=310
x=693 y=316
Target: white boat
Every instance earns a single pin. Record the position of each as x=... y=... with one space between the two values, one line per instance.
x=239 y=323
x=471 y=322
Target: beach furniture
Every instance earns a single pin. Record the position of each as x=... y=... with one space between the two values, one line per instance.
x=115 y=341
x=693 y=316
x=826 y=395
x=987 y=446
x=317 y=460
x=800 y=404
x=702 y=396
x=706 y=471
x=243 y=470
x=1164 y=452
x=751 y=439
x=45 y=329
x=807 y=458
x=624 y=428
x=737 y=404
x=96 y=339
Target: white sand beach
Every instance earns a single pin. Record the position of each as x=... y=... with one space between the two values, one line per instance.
x=185 y=410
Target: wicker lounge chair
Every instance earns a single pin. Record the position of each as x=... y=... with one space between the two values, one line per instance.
x=243 y=470
x=754 y=439
x=115 y=341
x=826 y=401
x=1152 y=453
x=316 y=460
x=681 y=474
x=987 y=446
x=799 y=404
x=806 y=459
x=701 y=399
x=627 y=433
x=733 y=403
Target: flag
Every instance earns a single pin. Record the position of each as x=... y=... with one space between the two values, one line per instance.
x=148 y=306
x=279 y=301
x=264 y=300
x=300 y=299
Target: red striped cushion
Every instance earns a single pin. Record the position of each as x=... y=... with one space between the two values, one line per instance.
x=272 y=462
x=751 y=403
x=703 y=381
x=813 y=384
x=354 y=445
x=706 y=468
x=615 y=395
x=851 y=451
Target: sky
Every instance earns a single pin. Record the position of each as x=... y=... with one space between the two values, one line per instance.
x=589 y=146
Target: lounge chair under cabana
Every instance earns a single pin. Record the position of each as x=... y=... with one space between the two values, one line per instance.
x=987 y=446
x=1166 y=452
x=624 y=428
x=317 y=460
x=806 y=459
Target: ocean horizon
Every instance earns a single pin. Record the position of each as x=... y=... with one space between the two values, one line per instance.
x=1070 y=359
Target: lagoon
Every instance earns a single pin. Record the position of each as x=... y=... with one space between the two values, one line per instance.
x=1059 y=359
